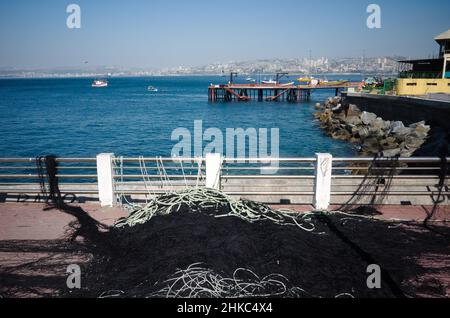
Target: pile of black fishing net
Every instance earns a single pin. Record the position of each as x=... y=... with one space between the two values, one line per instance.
x=195 y=244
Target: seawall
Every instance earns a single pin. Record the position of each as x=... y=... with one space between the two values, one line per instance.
x=406 y=109
x=409 y=110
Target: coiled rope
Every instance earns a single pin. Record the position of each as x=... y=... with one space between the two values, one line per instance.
x=199 y=282
x=201 y=199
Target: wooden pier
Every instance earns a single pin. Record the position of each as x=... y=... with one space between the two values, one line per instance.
x=270 y=92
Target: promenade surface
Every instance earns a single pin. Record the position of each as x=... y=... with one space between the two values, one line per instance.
x=35 y=246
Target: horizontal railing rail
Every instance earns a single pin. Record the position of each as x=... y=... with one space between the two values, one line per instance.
x=321 y=181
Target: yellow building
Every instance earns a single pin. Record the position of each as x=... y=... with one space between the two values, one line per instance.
x=427 y=76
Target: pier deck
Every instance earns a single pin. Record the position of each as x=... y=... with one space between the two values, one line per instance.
x=270 y=92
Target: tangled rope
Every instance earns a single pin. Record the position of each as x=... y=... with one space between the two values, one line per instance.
x=203 y=199
x=199 y=282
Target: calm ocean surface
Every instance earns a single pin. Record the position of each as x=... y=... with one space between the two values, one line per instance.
x=68 y=118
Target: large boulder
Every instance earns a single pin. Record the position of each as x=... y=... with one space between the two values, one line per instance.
x=367 y=118
x=338 y=108
x=363 y=132
x=339 y=116
x=415 y=125
x=371 y=145
x=401 y=133
x=341 y=134
x=387 y=126
x=325 y=116
x=421 y=130
x=389 y=143
x=412 y=142
x=353 y=110
x=396 y=125
x=392 y=152
x=353 y=120
x=377 y=127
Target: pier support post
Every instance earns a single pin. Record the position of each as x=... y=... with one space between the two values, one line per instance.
x=105 y=176
x=213 y=170
x=322 y=184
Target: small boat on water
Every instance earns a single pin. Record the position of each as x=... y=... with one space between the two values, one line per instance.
x=333 y=83
x=251 y=80
x=307 y=81
x=320 y=82
x=100 y=83
x=152 y=89
x=304 y=79
x=271 y=82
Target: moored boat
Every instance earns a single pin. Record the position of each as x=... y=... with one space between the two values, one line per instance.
x=333 y=83
x=100 y=83
x=271 y=82
x=288 y=84
x=306 y=80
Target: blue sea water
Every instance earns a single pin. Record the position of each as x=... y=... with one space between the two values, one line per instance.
x=69 y=118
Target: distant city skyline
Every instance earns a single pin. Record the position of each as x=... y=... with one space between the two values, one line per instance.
x=322 y=65
x=164 y=34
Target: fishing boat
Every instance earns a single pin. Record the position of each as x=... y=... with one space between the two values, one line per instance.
x=271 y=82
x=333 y=83
x=100 y=83
x=307 y=81
x=287 y=84
x=152 y=89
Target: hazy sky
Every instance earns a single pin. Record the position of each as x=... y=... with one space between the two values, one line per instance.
x=166 y=33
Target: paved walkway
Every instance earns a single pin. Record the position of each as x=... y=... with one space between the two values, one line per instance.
x=34 y=253
x=31 y=221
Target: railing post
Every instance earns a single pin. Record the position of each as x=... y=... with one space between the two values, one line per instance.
x=105 y=176
x=322 y=184
x=213 y=170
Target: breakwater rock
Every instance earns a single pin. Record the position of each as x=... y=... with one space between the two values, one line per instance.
x=372 y=134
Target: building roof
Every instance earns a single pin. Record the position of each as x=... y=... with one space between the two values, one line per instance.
x=443 y=36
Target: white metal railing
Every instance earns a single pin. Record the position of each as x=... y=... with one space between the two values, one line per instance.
x=321 y=181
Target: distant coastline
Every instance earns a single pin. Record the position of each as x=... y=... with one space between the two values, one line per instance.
x=90 y=76
x=268 y=67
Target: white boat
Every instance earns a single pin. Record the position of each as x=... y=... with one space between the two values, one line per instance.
x=100 y=83
x=152 y=89
x=249 y=79
x=288 y=84
x=271 y=81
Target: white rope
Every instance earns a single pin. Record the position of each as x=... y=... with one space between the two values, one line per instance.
x=203 y=198
x=163 y=172
x=160 y=173
x=199 y=171
x=146 y=178
x=198 y=282
x=121 y=197
x=182 y=170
